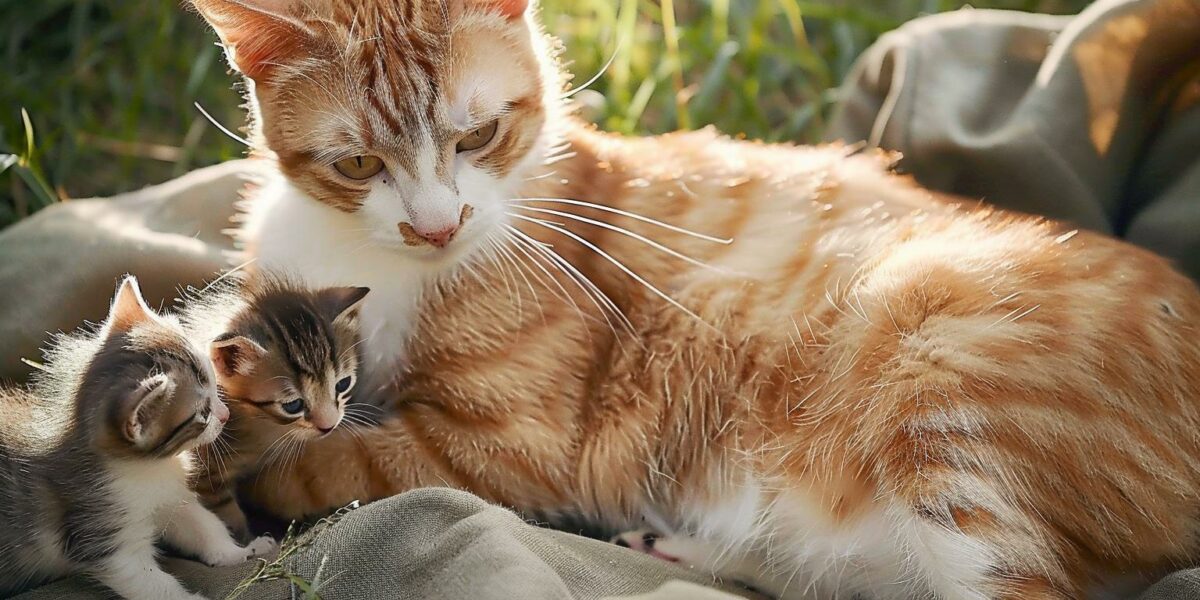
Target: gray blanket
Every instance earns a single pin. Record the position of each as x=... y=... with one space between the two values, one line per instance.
x=1095 y=120
x=439 y=543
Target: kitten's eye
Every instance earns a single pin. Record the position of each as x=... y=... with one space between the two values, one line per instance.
x=294 y=407
x=343 y=385
x=359 y=167
x=478 y=138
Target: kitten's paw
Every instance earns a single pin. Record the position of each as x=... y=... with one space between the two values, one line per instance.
x=261 y=546
x=644 y=541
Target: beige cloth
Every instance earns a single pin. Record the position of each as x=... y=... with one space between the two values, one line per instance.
x=1094 y=120
x=443 y=544
x=61 y=266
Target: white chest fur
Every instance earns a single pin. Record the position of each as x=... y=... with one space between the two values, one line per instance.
x=293 y=234
x=149 y=491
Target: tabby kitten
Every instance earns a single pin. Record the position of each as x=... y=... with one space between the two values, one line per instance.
x=94 y=459
x=872 y=389
x=285 y=363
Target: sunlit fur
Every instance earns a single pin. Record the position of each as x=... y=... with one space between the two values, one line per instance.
x=95 y=457
x=871 y=389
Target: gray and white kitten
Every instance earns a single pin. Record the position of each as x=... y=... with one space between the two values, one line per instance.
x=95 y=457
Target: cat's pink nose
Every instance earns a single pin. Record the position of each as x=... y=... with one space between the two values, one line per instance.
x=441 y=237
x=436 y=236
x=420 y=237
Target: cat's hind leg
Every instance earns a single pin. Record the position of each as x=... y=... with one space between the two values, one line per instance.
x=700 y=555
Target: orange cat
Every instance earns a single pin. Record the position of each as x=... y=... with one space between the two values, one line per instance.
x=871 y=389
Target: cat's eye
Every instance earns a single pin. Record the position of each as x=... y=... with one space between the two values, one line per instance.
x=343 y=385
x=359 y=167
x=294 y=407
x=478 y=138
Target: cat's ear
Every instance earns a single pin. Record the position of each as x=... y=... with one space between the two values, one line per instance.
x=258 y=34
x=151 y=395
x=234 y=354
x=128 y=307
x=510 y=9
x=342 y=302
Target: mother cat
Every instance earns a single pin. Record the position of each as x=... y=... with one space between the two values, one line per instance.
x=871 y=389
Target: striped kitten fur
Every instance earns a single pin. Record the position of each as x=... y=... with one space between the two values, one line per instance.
x=871 y=389
x=285 y=359
x=94 y=458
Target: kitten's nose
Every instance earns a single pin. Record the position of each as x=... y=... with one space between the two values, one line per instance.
x=324 y=430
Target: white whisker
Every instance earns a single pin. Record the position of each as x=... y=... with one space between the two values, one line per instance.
x=597 y=296
x=221 y=127
x=615 y=262
x=631 y=215
x=623 y=231
x=598 y=75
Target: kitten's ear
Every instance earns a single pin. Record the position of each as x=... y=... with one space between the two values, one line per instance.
x=128 y=307
x=342 y=302
x=258 y=34
x=510 y=9
x=234 y=354
x=153 y=391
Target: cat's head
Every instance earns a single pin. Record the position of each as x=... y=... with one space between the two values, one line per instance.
x=149 y=387
x=290 y=355
x=418 y=117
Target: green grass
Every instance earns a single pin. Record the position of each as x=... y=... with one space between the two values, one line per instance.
x=109 y=85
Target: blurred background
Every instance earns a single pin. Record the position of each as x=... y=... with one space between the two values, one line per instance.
x=96 y=96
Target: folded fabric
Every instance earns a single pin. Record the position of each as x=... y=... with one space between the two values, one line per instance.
x=440 y=543
x=1093 y=119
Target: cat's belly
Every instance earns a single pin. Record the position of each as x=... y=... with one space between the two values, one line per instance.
x=786 y=544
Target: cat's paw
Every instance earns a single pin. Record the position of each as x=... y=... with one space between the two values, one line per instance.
x=261 y=546
x=644 y=541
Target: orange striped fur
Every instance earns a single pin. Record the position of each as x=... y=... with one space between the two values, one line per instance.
x=880 y=390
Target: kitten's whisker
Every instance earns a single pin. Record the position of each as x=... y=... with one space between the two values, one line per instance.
x=226 y=274
x=294 y=447
x=620 y=265
x=363 y=406
x=623 y=231
x=350 y=349
x=625 y=213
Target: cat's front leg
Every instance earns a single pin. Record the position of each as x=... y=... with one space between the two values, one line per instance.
x=195 y=530
x=134 y=574
x=224 y=504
